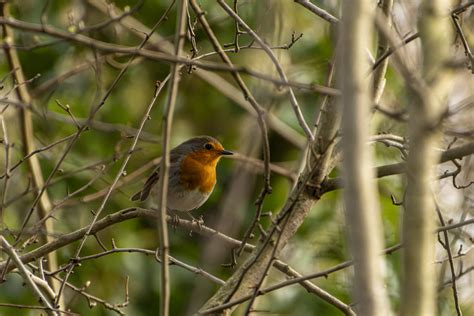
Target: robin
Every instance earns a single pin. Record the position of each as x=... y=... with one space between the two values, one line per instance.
x=192 y=173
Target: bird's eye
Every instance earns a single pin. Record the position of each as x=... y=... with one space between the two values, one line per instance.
x=208 y=146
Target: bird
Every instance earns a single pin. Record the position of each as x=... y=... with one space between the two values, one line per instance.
x=192 y=174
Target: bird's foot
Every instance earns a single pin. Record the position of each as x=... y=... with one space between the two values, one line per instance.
x=199 y=221
x=174 y=221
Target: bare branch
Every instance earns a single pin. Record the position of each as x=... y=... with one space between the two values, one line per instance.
x=260 y=112
x=450 y=259
x=27 y=135
x=400 y=168
x=27 y=276
x=271 y=55
x=318 y=11
x=153 y=55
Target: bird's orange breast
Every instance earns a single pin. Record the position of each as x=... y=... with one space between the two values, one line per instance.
x=198 y=171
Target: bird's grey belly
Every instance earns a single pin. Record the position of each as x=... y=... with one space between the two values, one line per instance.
x=180 y=199
x=186 y=201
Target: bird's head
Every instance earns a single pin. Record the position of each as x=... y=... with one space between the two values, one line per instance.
x=205 y=149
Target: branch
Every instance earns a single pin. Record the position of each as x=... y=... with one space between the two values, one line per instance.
x=297 y=207
x=27 y=276
x=382 y=48
x=119 y=174
x=108 y=221
x=215 y=80
x=190 y=226
x=362 y=210
x=273 y=58
x=424 y=131
x=258 y=109
x=318 y=11
x=400 y=168
x=153 y=55
x=447 y=246
x=179 y=37
x=173 y=261
x=27 y=135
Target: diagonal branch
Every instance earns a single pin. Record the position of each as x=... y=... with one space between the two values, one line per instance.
x=273 y=58
x=27 y=276
x=153 y=55
x=318 y=11
x=259 y=110
x=297 y=207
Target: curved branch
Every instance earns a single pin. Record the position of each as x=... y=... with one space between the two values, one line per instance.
x=153 y=55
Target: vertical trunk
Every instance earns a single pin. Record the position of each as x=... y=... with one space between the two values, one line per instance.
x=363 y=216
x=27 y=128
x=179 y=37
x=418 y=289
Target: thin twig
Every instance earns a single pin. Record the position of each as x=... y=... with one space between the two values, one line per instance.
x=273 y=58
x=35 y=307
x=258 y=110
x=455 y=16
x=451 y=263
x=7 y=145
x=34 y=152
x=318 y=11
x=50 y=214
x=393 y=49
x=269 y=264
x=238 y=32
x=382 y=47
x=215 y=80
x=399 y=168
x=153 y=55
x=129 y=178
x=27 y=276
x=119 y=174
x=293 y=40
x=91 y=299
x=173 y=261
x=27 y=133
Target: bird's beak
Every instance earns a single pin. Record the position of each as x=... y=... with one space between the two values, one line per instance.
x=226 y=152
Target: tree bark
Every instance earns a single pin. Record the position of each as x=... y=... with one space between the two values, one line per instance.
x=426 y=113
x=27 y=135
x=363 y=217
x=297 y=207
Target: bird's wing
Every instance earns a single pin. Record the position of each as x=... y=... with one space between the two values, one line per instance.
x=155 y=176
x=150 y=182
